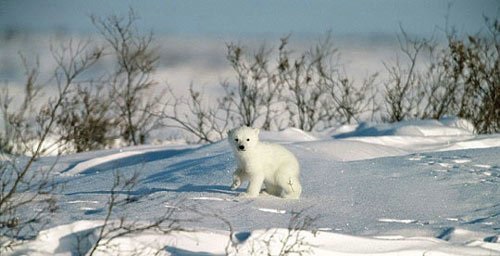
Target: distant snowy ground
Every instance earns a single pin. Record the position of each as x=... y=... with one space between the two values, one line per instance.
x=410 y=188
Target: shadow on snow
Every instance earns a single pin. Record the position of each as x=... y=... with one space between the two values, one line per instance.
x=131 y=160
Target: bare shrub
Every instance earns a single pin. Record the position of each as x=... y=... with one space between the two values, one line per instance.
x=11 y=120
x=252 y=100
x=461 y=78
x=474 y=63
x=26 y=201
x=439 y=90
x=307 y=92
x=402 y=86
x=75 y=116
x=36 y=120
x=306 y=79
x=131 y=83
x=86 y=123
x=319 y=95
x=90 y=107
x=83 y=123
x=353 y=100
x=276 y=241
x=117 y=225
x=294 y=242
x=20 y=121
x=25 y=188
x=207 y=123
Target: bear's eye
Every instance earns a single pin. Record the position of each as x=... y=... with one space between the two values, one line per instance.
x=248 y=139
x=236 y=140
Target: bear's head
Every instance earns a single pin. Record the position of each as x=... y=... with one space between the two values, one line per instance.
x=243 y=138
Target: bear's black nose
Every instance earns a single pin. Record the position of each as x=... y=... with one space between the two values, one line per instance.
x=241 y=147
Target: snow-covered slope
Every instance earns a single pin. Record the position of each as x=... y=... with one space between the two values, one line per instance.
x=411 y=188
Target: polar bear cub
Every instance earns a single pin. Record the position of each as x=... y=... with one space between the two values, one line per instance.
x=263 y=163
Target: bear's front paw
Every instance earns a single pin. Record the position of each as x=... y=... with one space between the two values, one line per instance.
x=236 y=184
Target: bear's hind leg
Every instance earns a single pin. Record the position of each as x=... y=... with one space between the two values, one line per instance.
x=272 y=189
x=291 y=188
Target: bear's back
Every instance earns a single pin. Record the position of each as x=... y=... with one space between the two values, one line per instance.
x=275 y=153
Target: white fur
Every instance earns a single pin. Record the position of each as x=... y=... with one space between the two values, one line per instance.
x=263 y=163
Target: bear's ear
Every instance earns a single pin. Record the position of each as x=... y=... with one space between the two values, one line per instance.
x=256 y=131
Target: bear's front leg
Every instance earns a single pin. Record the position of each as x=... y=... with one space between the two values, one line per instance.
x=254 y=186
x=236 y=182
x=238 y=177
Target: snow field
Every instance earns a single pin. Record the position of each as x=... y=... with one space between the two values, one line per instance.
x=411 y=188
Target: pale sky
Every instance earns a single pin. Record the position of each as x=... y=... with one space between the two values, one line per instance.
x=223 y=18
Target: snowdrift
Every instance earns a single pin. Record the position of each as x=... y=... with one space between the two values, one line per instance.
x=410 y=188
x=62 y=240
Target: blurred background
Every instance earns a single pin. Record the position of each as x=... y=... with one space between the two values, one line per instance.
x=192 y=35
x=191 y=38
x=259 y=18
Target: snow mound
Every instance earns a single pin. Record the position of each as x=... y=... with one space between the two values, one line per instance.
x=287 y=135
x=345 y=150
x=368 y=141
x=416 y=128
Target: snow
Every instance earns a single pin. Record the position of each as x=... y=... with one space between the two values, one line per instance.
x=58 y=241
x=410 y=188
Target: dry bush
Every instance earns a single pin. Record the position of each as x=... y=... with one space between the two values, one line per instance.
x=461 y=79
x=306 y=79
x=402 y=97
x=132 y=84
x=306 y=91
x=318 y=95
x=275 y=241
x=474 y=65
x=118 y=225
x=72 y=117
x=273 y=92
x=86 y=123
x=252 y=100
x=205 y=122
x=24 y=185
